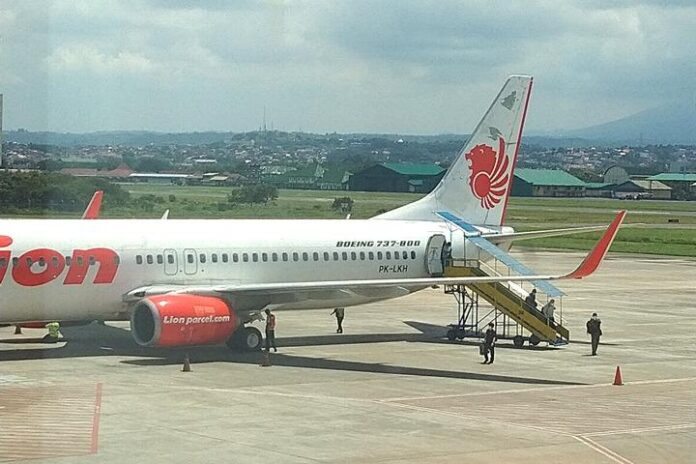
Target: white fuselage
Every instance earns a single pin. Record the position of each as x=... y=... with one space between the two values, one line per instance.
x=197 y=252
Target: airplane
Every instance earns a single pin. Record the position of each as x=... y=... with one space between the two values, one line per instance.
x=198 y=282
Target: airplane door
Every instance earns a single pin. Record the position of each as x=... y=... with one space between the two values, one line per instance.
x=190 y=261
x=171 y=265
x=433 y=256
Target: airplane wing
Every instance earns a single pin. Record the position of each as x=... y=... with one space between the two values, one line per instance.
x=94 y=206
x=541 y=233
x=287 y=291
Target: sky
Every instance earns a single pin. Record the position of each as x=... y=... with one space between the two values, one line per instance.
x=392 y=66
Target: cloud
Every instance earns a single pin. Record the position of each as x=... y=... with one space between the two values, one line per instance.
x=401 y=66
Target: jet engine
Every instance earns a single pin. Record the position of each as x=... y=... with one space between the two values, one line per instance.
x=180 y=320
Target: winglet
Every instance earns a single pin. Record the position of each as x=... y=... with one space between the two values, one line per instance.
x=165 y=215
x=94 y=206
x=591 y=262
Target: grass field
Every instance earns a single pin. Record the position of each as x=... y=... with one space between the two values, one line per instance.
x=658 y=233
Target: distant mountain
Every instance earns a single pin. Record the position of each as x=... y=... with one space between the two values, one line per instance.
x=674 y=123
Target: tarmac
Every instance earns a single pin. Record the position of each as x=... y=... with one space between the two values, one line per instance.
x=391 y=389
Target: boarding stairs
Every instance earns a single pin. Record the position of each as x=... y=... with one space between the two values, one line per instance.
x=508 y=298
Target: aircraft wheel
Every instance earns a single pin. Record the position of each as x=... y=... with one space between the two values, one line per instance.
x=518 y=341
x=534 y=340
x=246 y=339
x=451 y=335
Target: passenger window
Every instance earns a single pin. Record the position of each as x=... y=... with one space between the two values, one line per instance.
x=305 y=256
x=353 y=256
x=117 y=260
x=326 y=256
x=274 y=257
x=295 y=256
x=344 y=255
x=139 y=259
x=189 y=258
x=255 y=257
x=315 y=256
x=148 y=257
x=335 y=255
x=213 y=257
x=405 y=255
x=68 y=260
x=15 y=262
x=388 y=254
x=245 y=257
x=170 y=259
x=371 y=255
x=92 y=261
x=264 y=257
x=202 y=257
x=80 y=261
x=396 y=255
x=30 y=262
x=54 y=261
x=362 y=256
x=3 y=263
x=225 y=257
x=42 y=262
x=285 y=257
x=160 y=259
x=413 y=255
x=379 y=255
x=235 y=257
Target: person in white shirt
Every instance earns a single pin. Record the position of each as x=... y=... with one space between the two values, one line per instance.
x=548 y=310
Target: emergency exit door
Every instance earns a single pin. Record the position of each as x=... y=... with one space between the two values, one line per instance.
x=433 y=255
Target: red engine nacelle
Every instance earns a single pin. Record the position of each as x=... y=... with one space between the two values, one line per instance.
x=178 y=320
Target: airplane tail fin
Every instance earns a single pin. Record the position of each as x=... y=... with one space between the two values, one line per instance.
x=477 y=185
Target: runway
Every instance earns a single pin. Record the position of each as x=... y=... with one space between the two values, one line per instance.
x=390 y=389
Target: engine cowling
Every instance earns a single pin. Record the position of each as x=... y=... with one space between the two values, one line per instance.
x=181 y=320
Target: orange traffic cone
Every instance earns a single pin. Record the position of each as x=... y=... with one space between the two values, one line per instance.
x=187 y=364
x=266 y=359
x=617 y=377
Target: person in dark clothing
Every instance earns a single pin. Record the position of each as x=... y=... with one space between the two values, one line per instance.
x=531 y=299
x=339 y=312
x=489 y=344
x=594 y=328
x=270 y=331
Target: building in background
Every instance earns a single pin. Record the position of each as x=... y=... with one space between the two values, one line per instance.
x=546 y=183
x=397 y=177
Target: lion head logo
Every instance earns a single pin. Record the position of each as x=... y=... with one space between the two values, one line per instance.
x=489 y=178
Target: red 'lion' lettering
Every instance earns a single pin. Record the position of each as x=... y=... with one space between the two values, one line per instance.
x=44 y=265
x=38 y=267
x=108 y=265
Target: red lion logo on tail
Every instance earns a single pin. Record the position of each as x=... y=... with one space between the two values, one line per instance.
x=489 y=178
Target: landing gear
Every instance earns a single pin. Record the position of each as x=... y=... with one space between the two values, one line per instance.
x=518 y=341
x=246 y=338
x=534 y=340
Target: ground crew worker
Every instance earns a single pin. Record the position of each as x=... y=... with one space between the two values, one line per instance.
x=53 y=334
x=594 y=328
x=548 y=310
x=339 y=312
x=489 y=344
x=270 y=331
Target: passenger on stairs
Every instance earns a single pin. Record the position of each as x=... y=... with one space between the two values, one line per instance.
x=531 y=299
x=548 y=310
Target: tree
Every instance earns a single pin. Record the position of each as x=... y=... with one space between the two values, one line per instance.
x=343 y=204
x=253 y=193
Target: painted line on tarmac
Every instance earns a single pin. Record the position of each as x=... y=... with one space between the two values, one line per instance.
x=664 y=428
x=534 y=389
x=603 y=450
